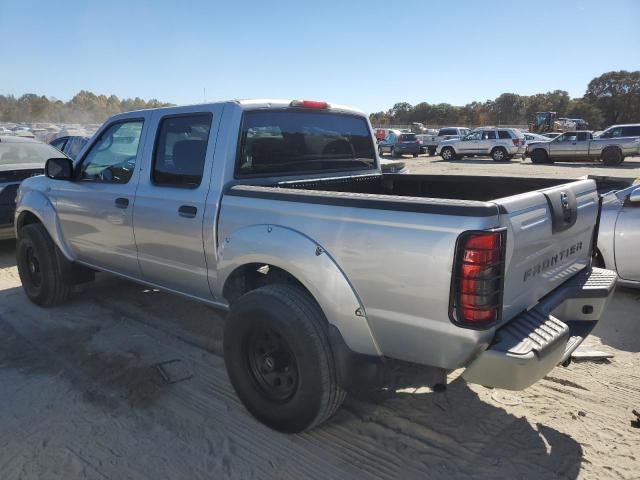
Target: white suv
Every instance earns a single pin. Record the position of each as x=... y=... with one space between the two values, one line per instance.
x=501 y=144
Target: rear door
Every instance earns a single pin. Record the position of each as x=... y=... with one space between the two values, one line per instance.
x=487 y=142
x=170 y=201
x=549 y=236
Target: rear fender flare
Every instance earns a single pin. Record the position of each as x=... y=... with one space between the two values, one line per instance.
x=311 y=265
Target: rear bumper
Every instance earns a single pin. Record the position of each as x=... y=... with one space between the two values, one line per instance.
x=533 y=343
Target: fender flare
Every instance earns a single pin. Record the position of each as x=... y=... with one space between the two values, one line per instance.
x=311 y=265
x=35 y=203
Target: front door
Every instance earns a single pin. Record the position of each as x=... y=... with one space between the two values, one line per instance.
x=170 y=201
x=96 y=209
x=470 y=143
x=627 y=239
x=564 y=145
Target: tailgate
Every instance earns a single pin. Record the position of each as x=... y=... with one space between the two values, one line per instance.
x=549 y=234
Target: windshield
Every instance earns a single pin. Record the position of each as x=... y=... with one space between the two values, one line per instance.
x=289 y=142
x=23 y=152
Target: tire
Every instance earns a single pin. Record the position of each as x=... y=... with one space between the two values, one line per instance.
x=612 y=157
x=448 y=153
x=380 y=154
x=499 y=154
x=415 y=155
x=282 y=324
x=39 y=266
x=432 y=151
x=393 y=152
x=539 y=156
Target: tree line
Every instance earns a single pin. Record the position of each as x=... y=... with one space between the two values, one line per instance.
x=613 y=97
x=84 y=107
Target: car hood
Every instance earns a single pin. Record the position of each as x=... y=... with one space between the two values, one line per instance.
x=7 y=167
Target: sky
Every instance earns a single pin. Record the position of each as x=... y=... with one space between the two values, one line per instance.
x=369 y=55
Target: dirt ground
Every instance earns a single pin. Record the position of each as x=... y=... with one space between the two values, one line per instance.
x=81 y=398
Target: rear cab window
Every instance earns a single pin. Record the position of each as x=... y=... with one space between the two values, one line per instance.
x=408 y=137
x=289 y=142
x=447 y=131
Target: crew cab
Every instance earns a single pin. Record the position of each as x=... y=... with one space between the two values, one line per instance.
x=580 y=145
x=277 y=212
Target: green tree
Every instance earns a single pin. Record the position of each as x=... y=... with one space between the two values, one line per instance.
x=616 y=95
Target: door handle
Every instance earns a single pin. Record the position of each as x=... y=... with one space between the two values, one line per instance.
x=187 y=211
x=122 y=202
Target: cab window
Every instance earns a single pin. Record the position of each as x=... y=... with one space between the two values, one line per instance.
x=112 y=159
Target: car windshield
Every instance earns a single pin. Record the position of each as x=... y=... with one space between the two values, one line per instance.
x=290 y=141
x=26 y=152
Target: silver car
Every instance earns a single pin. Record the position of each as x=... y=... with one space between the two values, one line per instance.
x=619 y=235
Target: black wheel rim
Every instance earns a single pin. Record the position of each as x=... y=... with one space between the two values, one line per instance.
x=32 y=268
x=272 y=365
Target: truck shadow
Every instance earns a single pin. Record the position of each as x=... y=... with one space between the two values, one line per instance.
x=619 y=327
x=463 y=436
x=7 y=253
x=100 y=345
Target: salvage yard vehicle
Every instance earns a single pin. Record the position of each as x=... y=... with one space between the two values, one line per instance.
x=277 y=211
x=620 y=235
x=20 y=158
x=398 y=143
x=431 y=142
x=580 y=145
x=501 y=144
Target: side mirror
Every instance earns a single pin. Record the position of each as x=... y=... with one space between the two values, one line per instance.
x=59 y=168
x=634 y=196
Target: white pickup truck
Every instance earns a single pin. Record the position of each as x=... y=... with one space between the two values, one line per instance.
x=431 y=142
x=334 y=275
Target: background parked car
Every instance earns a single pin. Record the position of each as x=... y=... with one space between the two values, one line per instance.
x=70 y=146
x=534 y=137
x=20 y=158
x=501 y=144
x=621 y=131
x=552 y=134
x=398 y=143
x=619 y=235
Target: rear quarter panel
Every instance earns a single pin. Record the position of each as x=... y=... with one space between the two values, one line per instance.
x=398 y=263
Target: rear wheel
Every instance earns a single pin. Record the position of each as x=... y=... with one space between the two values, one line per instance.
x=612 y=157
x=279 y=359
x=539 y=156
x=432 y=151
x=393 y=152
x=380 y=152
x=39 y=266
x=448 y=153
x=499 y=154
x=415 y=155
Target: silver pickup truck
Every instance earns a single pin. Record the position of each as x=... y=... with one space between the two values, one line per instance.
x=580 y=145
x=335 y=276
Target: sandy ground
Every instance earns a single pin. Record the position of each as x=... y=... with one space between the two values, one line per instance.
x=80 y=398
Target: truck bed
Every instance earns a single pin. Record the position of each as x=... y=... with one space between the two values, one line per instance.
x=455 y=187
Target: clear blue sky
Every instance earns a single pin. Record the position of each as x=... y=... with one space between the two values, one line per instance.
x=366 y=54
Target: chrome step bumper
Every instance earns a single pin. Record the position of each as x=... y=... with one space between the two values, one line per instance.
x=533 y=343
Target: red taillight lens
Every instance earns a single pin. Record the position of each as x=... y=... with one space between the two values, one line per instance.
x=309 y=104
x=516 y=141
x=476 y=296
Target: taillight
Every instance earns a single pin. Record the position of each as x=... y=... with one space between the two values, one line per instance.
x=478 y=279
x=309 y=104
x=418 y=141
x=516 y=141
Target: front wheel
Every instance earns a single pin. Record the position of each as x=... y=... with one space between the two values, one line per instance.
x=39 y=267
x=539 y=156
x=279 y=360
x=499 y=154
x=448 y=153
